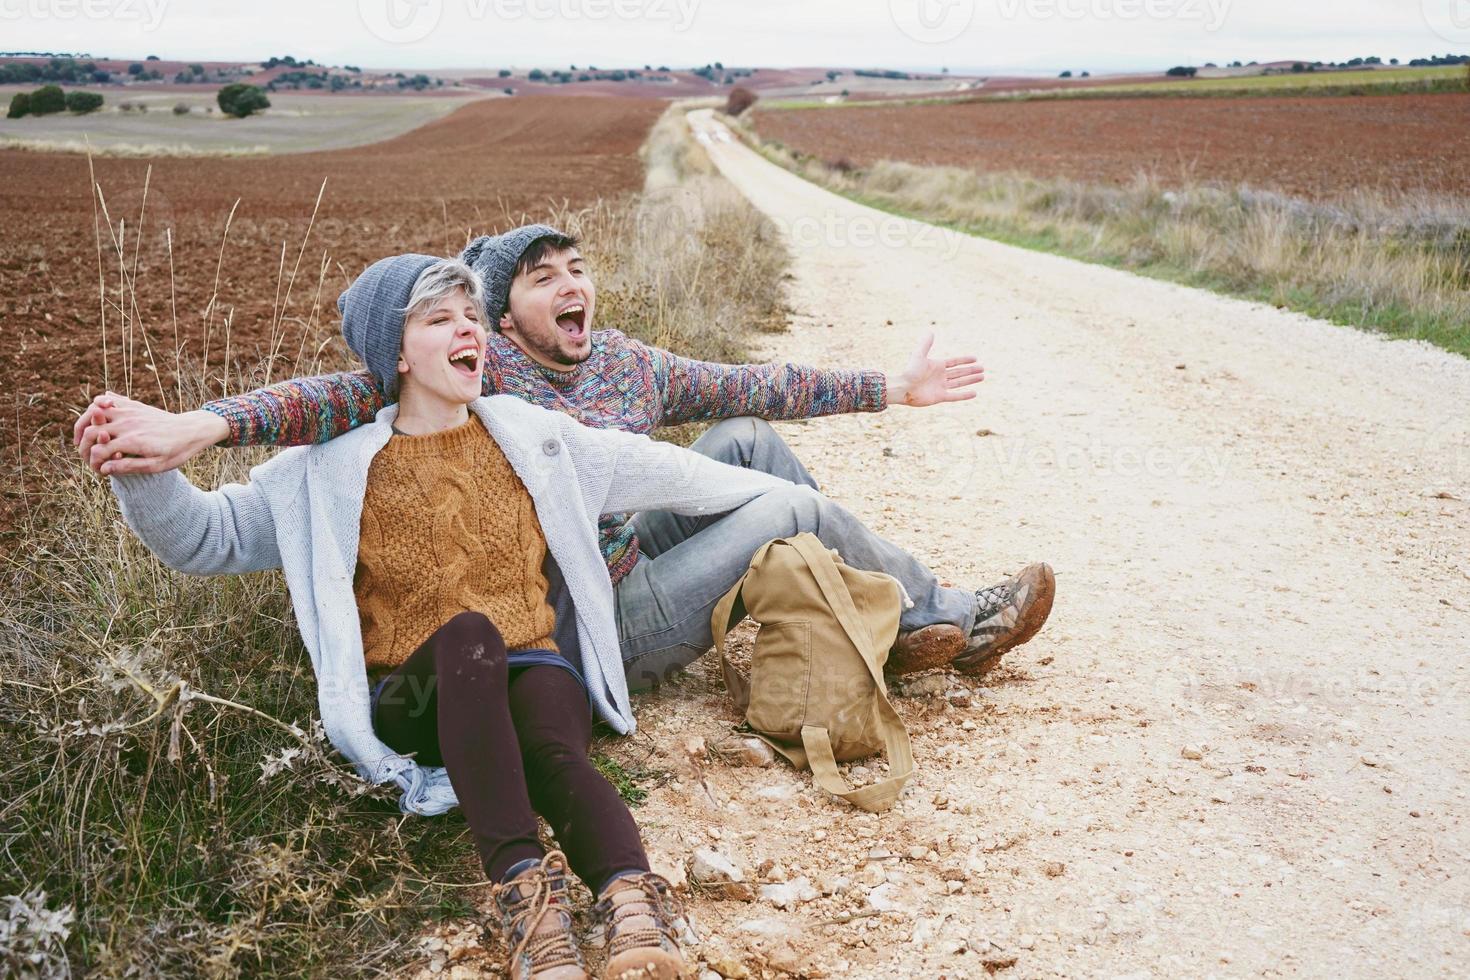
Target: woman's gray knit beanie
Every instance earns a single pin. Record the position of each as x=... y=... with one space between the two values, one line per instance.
x=494 y=258
x=373 y=313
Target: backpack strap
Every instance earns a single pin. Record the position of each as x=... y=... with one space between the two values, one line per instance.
x=824 y=570
x=880 y=795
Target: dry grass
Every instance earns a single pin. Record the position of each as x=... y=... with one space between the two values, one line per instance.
x=1382 y=81
x=1397 y=263
x=172 y=807
x=148 y=150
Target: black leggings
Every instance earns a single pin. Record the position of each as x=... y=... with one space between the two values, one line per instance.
x=515 y=744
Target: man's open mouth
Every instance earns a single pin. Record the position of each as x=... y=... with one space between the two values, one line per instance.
x=466 y=360
x=573 y=321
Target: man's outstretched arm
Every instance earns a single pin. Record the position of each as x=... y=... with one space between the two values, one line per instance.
x=701 y=390
x=301 y=411
x=118 y=435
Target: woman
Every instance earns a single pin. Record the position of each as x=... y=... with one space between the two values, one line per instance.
x=418 y=549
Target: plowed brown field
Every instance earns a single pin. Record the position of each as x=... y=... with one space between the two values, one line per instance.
x=483 y=166
x=1316 y=147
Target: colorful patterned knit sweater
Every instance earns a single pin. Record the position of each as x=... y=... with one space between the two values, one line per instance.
x=624 y=384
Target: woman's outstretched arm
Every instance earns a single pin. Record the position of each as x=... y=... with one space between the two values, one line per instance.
x=220 y=532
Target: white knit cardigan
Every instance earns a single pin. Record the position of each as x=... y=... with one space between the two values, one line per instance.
x=301 y=511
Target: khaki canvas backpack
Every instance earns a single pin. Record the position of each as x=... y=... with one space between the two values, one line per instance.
x=816 y=692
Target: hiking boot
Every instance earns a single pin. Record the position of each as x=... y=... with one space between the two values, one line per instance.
x=638 y=913
x=924 y=649
x=537 y=924
x=1007 y=615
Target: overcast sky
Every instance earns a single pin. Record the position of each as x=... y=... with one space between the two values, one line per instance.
x=1037 y=35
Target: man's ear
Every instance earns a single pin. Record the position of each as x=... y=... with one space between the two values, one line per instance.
x=505 y=322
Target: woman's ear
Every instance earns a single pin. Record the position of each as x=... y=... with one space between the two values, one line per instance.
x=402 y=364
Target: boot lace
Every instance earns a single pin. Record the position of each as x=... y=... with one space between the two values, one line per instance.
x=657 y=904
x=990 y=600
x=524 y=902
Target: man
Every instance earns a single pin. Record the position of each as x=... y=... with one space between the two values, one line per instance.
x=668 y=571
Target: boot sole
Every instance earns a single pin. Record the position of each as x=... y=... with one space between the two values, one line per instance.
x=1030 y=624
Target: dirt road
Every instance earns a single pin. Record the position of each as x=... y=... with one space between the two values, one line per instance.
x=1241 y=747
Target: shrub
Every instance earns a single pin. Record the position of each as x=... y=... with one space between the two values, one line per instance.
x=240 y=100
x=83 y=102
x=1181 y=71
x=47 y=99
x=1066 y=74
x=135 y=69
x=739 y=99
x=181 y=108
x=20 y=104
x=504 y=73
x=509 y=91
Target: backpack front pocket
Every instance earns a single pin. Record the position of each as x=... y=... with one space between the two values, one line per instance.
x=780 y=680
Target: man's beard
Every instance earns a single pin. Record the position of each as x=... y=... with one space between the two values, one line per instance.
x=549 y=349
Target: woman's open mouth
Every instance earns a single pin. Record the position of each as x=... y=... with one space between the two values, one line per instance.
x=466 y=361
x=573 y=321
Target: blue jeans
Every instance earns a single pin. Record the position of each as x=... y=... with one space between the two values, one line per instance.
x=664 y=604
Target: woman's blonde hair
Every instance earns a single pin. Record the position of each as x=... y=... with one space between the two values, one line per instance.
x=440 y=280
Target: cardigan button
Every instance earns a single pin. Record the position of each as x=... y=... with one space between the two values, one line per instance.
x=551 y=447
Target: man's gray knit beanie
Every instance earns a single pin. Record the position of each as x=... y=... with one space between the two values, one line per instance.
x=373 y=313
x=494 y=258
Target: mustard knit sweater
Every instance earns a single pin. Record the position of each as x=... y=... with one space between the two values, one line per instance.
x=447 y=527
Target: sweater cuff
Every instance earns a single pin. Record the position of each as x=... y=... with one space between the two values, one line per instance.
x=873 y=391
x=235 y=419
